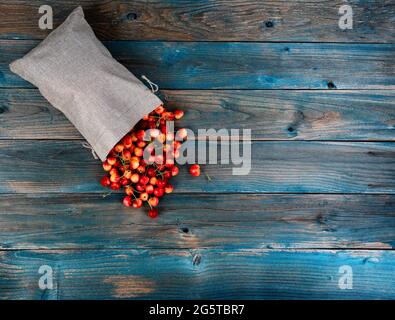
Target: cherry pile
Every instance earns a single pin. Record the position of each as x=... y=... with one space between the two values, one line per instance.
x=146 y=181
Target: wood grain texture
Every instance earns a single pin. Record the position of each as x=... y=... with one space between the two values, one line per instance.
x=271 y=114
x=198 y=274
x=205 y=65
x=296 y=167
x=197 y=20
x=202 y=220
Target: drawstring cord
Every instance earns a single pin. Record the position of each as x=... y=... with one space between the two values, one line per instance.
x=86 y=145
x=154 y=86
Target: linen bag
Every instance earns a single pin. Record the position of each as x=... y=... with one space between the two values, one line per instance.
x=77 y=75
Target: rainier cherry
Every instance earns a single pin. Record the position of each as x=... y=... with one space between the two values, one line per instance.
x=135 y=165
x=135 y=178
x=182 y=133
x=127 y=201
x=194 y=170
x=169 y=188
x=111 y=160
x=144 y=196
x=153 y=213
x=174 y=171
x=154 y=201
x=105 y=181
x=178 y=114
x=115 y=186
x=107 y=166
x=149 y=189
x=119 y=148
x=137 y=203
x=159 y=192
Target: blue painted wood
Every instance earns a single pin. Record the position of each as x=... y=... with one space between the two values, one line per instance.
x=252 y=221
x=198 y=274
x=283 y=166
x=206 y=65
x=236 y=20
x=271 y=114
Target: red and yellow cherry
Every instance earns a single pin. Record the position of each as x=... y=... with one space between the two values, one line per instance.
x=134 y=162
x=194 y=170
x=114 y=171
x=105 y=181
x=115 y=186
x=126 y=155
x=159 y=192
x=106 y=166
x=169 y=188
x=161 y=183
x=144 y=180
x=161 y=138
x=137 y=203
x=138 y=152
x=140 y=135
x=182 y=133
x=129 y=190
x=167 y=175
x=159 y=110
x=140 y=187
x=174 y=171
x=153 y=181
x=135 y=178
x=149 y=188
x=119 y=148
x=153 y=201
x=144 y=196
x=153 y=213
x=178 y=114
x=123 y=181
x=127 y=201
x=127 y=174
x=140 y=169
x=151 y=172
x=115 y=178
x=127 y=141
x=111 y=160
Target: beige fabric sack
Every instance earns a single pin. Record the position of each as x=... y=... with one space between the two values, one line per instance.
x=78 y=76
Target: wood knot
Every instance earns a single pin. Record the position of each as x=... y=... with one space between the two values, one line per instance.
x=3 y=109
x=269 y=24
x=131 y=16
x=184 y=229
x=331 y=85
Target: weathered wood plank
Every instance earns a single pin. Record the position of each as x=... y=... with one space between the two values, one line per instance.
x=272 y=114
x=199 y=220
x=200 y=274
x=236 y=20
x=286 y=166
x=205 y=65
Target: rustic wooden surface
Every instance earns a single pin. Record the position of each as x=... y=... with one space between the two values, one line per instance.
x=201 y=20
x=321 y=193
x=274 y=114
x=240 y=65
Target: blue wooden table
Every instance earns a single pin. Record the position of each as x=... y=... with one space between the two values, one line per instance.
x=318 y=204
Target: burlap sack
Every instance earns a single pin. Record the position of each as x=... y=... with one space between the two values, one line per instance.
x=78 y=76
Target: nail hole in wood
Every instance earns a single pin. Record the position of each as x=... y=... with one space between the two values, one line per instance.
x=290 y=129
